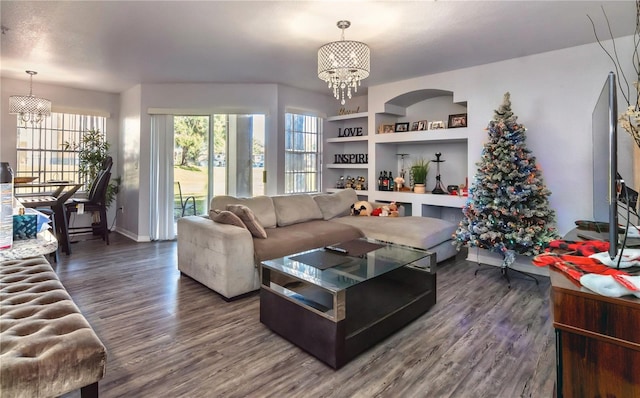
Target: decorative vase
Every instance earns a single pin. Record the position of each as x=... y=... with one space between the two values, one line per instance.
x=419 y=188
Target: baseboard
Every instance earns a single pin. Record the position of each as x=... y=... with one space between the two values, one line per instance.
x=132 y=236
x=522 y=263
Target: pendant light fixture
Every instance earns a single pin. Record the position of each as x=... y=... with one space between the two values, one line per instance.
x=343 y=64
x=29 y=108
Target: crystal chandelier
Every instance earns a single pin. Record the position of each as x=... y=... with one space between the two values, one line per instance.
x=343 y=64
x=29 y=108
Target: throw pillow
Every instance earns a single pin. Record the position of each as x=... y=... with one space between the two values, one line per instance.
x=226 y=217
x=294 y=209
x=336 y=204
x=249 y=219
x=262 y=207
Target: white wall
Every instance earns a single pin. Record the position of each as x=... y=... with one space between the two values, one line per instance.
x=294 y=100
x=553 y=94
x=129 y=152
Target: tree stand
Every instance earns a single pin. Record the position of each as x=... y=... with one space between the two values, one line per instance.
x=509 y=258
x=504 y=270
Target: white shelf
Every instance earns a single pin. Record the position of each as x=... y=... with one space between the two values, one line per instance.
x=362 y=166
x=421 y=198
x=348 y=139
x=358 y=191
x=442 y=135
x=347 y=117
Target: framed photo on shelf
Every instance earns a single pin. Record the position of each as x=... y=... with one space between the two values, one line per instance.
x=422 y=125
x=438 y=124
x=385 y=129
x=459 y=120
x=414 y=126
x=402 y=127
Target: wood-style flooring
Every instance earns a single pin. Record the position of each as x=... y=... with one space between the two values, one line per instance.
x=169 y=336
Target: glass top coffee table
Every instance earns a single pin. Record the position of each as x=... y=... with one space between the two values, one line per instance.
x=336 y=305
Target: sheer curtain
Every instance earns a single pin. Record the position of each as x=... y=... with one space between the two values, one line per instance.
x=162 y=225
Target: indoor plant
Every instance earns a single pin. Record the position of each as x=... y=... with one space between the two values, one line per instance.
x=419 y=171
x=93 y=149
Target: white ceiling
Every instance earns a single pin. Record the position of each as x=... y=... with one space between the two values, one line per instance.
x=114 y=45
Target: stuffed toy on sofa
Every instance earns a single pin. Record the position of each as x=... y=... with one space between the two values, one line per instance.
x=390 y=210
x=361 y=208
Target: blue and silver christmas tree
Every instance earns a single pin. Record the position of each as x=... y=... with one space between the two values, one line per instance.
x=508 y=208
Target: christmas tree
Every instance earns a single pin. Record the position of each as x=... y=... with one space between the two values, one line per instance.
x=508 y=208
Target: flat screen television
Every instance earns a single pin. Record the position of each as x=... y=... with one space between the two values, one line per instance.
x=605 y=161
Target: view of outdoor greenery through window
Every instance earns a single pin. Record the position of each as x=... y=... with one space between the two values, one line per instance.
x=208 y=149
x=41 y=150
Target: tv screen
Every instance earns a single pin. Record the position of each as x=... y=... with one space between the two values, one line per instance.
x=605 y=160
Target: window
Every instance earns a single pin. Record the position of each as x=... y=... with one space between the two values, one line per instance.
x=302 y=153
x=41 y=151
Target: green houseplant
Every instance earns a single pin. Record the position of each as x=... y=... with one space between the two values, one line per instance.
x=419 y=171
x=93 y=149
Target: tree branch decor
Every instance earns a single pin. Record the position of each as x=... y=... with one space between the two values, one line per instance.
x=629 y=119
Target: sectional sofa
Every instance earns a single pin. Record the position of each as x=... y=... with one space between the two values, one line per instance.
x=225 y=257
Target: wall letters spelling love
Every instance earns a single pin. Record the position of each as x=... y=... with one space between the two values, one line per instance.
x=351 y=158
x=350 y=132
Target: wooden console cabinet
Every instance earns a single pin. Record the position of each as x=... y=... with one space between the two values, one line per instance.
x=597 y=342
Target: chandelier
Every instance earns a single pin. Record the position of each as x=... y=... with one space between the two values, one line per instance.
x=29 y=108
x=343 y=64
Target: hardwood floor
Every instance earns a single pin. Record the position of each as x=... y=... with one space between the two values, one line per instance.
x=169 y=336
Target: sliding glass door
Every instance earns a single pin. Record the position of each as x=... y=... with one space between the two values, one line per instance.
x=191 y=165
x=218 y=154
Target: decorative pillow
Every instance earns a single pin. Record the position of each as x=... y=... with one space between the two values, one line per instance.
x=336 y=204
x=294 y=209
x=226 y=217
x=262 y=207
x=249 y=219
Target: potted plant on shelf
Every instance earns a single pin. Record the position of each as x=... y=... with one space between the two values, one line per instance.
x=419 y=171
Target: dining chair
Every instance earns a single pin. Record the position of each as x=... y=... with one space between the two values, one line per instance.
x=184 y=202
x=95 y=202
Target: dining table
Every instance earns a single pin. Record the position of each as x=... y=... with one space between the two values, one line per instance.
x=51 y=194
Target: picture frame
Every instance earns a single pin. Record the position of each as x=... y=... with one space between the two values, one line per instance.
x=457 y=120
x=386 y=128
x=423 y=125
x=436 y=125
x=402 y=127
x=414 y=126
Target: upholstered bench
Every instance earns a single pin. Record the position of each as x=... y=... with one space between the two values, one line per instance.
x=47 y=347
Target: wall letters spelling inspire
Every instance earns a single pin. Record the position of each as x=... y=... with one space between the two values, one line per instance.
x=351 y=158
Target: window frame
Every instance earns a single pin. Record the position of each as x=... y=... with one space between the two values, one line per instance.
x=41 y=151
x=310 y=134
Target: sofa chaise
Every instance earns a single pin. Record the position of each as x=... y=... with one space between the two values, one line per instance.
x=225 y=257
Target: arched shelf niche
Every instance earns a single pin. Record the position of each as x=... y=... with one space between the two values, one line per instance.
x=398 y=105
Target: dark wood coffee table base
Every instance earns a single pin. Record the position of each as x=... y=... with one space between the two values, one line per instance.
x=374 y=310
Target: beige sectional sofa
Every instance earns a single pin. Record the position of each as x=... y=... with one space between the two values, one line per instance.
x=224 y=257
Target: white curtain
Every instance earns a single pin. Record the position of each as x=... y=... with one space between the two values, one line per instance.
x=162 y=225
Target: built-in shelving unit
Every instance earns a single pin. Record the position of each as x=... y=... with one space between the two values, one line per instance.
x=384 y=150
x=353 y=144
